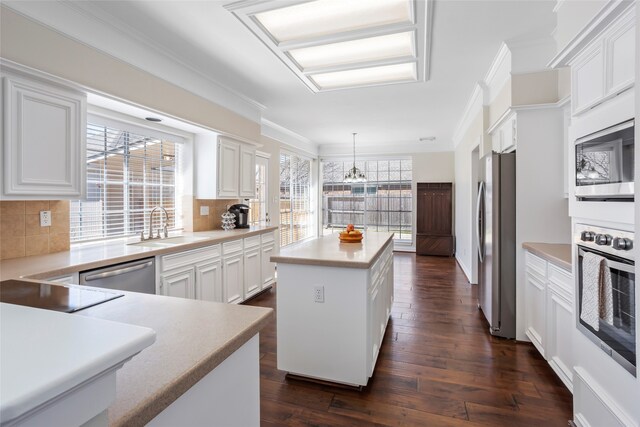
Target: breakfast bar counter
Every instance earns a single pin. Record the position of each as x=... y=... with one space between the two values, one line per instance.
x=334 y=300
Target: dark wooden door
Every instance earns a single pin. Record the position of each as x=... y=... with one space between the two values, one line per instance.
x=435 y=219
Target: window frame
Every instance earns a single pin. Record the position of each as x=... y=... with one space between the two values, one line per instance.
x=122 y=122
x=312 y=199
x=399 y=243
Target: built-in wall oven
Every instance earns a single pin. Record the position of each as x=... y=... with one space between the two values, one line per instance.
x=605 y=164
x=606 y=288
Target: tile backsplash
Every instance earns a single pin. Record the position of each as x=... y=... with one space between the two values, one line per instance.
x=213 y=221
x=20 y=231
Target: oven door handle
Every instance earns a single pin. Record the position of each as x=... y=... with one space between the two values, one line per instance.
x=627 y=268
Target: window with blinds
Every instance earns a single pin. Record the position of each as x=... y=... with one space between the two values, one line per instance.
x=129 y=172
x=296 y=215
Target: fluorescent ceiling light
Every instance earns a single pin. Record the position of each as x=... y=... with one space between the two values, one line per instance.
x=354 y=51
x=366 y=76
x=323 y=17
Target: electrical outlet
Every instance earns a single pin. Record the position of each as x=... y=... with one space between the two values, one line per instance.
x=45 y=218
x=204 y=210
x=318 y=293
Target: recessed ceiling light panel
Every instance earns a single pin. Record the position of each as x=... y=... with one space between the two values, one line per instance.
x=355 y=51
x=323 y=17
x=366 y=76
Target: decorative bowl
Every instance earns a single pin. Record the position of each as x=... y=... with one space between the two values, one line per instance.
x=350 y=238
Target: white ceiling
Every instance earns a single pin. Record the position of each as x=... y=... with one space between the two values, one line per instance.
x=466 y=36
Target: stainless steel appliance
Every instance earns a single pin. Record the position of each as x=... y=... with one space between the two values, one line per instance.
x=67 y=299
x=496 y=236
x=242 y=215
x=605 y=164
x=616 y=336
x=135 y=276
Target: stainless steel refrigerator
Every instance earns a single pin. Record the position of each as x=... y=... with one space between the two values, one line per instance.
x=496 y=237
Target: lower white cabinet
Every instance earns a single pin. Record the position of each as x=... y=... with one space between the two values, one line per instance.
x=549 y=314
x=179 y=283
x=229 y=272
x=232 y=277
x=209 y=281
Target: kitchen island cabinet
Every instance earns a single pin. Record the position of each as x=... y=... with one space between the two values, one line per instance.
x=334 y=300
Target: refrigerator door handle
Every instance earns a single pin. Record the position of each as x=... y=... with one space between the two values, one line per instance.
x=478 y=224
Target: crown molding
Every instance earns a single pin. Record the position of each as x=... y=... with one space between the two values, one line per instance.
x=86 y=23
x=499 y=61
x=473 y=107
x=288 y=137
x=608 y=13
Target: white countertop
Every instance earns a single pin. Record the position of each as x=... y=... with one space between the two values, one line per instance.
x=44 y=353
x=329 y=251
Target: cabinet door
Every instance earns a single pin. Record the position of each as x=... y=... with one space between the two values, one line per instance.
x=509 y=136
x=232 y=278
x=44 y=150
x=535 y=311
x=209 y=281
x=228 y=169
x=559 y=342
x=252 y=276
x=179 y=283
x=587 y=79
x=620 y=45
x=247 y=172
x=268 y=269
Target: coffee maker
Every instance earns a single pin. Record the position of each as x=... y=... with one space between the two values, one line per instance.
x=242 y=215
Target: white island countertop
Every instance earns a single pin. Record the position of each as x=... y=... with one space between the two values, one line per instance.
x=43 y=354
x=330 y=252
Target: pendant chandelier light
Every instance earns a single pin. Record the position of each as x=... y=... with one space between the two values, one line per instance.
x=354 y=174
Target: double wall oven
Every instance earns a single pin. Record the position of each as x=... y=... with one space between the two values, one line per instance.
x=614 y=252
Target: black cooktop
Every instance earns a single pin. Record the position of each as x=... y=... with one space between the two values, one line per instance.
x=67 y=299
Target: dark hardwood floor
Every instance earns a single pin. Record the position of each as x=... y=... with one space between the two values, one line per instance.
x=438 y=366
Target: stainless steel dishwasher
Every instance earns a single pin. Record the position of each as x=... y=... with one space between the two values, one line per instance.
x=135 y=276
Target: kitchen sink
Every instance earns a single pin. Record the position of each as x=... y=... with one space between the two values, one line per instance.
x=168 y=242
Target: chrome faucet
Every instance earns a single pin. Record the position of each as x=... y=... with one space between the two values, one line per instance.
x=164 y=227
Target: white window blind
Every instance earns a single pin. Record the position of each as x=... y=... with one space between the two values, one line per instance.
x=296 y=215
x=129 y=172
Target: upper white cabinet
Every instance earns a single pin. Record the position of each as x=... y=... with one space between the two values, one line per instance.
x=44 y=139
x=606 y=67
x=247 y=172
x=225 y=168
x=504 y=136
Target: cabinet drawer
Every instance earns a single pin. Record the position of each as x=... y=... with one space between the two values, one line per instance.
x=232 y=247
x=536 y=264
x=181 y=259
x=560 y=278
x=268 y=237
x=250 y=242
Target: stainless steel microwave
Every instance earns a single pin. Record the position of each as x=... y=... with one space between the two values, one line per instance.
x=605 y=164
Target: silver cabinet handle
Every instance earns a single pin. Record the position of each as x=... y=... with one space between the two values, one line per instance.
x=117 y=272
x=478 y=231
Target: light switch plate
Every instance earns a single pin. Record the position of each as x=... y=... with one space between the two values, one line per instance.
x=204 y=210
x=45 y=218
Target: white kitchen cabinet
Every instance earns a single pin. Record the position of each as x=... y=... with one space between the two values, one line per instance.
x=209 y=281
x=233 y=271
x=228 y=168
x=252 y=276
x=247 y=172
x=549 y=314
x=192 y=274
x=268 y=269
x=535 y=297
x=504 y=135
x=560 y=324
x=232 y=277
x=606 y=67
x=44 y=140
x=225 y=168
x=179 y=283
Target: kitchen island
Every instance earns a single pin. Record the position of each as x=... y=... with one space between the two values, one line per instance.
x=334 y=300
